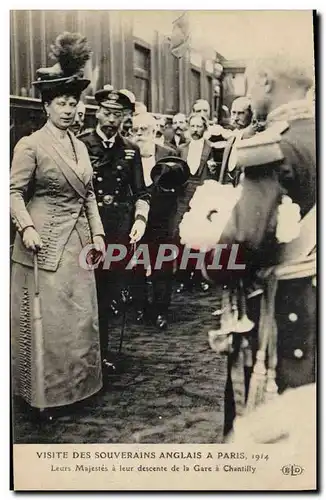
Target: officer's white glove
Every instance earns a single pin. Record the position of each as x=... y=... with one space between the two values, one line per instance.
x=210 y=210
x=137 y=231
x=288 y=220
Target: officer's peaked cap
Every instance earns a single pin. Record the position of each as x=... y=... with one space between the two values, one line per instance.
x=113 y=99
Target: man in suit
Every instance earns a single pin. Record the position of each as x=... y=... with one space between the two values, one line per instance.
x=78 y=123
x=160 y=222
x=241 y=116
x=201 y=107
x=179 y=126
x=121 y=197
x=198 y=154
x=197 y=151
x=160 y=131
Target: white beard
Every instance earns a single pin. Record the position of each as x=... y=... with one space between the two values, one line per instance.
x=147 y=148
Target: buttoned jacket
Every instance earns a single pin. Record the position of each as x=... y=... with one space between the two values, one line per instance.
x=61 y=196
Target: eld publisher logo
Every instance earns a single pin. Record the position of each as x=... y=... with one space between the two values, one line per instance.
x=292 y=470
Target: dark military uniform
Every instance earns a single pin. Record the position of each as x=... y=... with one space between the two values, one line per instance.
x=281 y=161
x=118 y=184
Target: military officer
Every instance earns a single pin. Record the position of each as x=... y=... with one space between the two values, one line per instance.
x=121 y=197
x=273 y=219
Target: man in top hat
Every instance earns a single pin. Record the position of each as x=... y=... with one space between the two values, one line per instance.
x=121 y=196
x=179 y=126
x=160 y=222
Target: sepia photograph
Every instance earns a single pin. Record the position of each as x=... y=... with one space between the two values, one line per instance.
x=163 y=249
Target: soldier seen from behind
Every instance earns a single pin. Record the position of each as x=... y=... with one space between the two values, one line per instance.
x=274 y=220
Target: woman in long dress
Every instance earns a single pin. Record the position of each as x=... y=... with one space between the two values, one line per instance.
x=60 y=218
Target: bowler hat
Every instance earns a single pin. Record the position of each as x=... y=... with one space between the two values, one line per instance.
x=170 y=172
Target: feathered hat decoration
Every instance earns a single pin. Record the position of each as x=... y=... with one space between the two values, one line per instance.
x=71 y=52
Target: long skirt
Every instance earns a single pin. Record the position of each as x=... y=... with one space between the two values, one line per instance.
x=70 y=351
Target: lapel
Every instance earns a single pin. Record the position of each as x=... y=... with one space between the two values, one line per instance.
x=63 y=162
x=226 y=156
x=83 y=159
x=184 y=152
x=204 y=157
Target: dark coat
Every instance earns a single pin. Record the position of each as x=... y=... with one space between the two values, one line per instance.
x=172 y=142
x=203 y=172
x=229 y=177
x=118 y=181
x=194 y=181
x=253 y=225
x=162 y=205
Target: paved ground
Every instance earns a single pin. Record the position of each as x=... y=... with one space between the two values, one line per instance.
x=171 y=389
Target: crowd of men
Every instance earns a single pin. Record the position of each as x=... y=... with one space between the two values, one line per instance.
x=268 y=150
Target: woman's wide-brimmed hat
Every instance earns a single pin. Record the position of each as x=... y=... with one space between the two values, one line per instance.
x=71 y=51
x=170 y=172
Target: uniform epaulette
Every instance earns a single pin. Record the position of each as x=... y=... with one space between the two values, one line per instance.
x=85 y=132
x=263 y=148
x=279 y=127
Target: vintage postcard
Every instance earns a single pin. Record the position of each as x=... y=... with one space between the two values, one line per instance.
x=163 y=250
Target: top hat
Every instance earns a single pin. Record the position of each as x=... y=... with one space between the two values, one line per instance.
x=170 y=172
x=71 y=51
x=113 y=99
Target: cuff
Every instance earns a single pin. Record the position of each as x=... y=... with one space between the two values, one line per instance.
x=21 y=231
x=142 y=209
